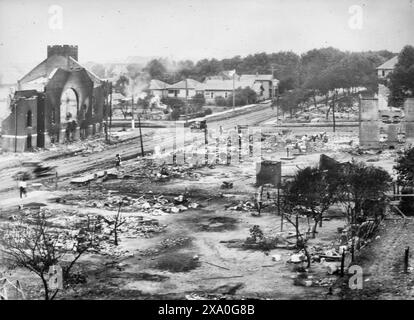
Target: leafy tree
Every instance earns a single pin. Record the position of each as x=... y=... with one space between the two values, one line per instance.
x=124 y=107
x=36 y=244
x=205 y=68
x=312 y=191
x=115 y=223
x=155 y=69
x=402 y=78
x=384 y=54
x=208 y=111
x=198 y=101
x=405 y=171
x=286 y=85
x=243 y=96
x=220 y=101
x=121 y=85
x=315 y=61
x=145 y=103
x=359 y=183
x=175 y=114
x=173 y=102
x=176 y=104
x=291 y=100
x=405 y=168
x=134 y=70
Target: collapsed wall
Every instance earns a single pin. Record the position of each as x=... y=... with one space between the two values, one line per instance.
x=368 y=123
x=409 y=119
x=385 y=127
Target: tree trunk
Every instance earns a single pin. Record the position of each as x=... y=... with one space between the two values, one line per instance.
x=315 y=225
x=297 y=230
x=45 y=286
x=327 y=112
x=117 y=224
x=333 y=111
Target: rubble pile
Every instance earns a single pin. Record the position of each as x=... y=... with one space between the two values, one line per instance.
x=174 y=242
x=317 y=142
x=167 y=172
x=242 y=206
x=134 y=227
x=87 y=147
x=306 y=280
x=154 y=205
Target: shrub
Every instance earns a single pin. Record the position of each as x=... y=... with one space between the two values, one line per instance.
x=220 y=101
x=175 y=114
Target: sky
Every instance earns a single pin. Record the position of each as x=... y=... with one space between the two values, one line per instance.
x=112 y=30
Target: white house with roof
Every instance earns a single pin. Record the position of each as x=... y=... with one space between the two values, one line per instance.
x=387 y=67
x=158 y=88
x=183 y=89
x=224 y=88
x=266 y=81
x=217 y=86
x=262 y=84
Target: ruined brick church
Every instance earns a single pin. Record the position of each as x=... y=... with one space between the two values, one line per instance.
x=56 y=102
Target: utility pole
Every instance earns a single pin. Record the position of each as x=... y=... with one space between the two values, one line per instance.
x=186 y=100
x=275 y=95
x=273 y=87
x=15 y=124
x=106 y=116
x=132 y=112
x=205 y=143
x=333 y=110
x=140 y=136
x=110 y=110
x=234 y=98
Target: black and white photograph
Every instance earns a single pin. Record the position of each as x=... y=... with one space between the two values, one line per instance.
x=228 y=151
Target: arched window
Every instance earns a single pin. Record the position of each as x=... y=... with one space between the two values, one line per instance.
x=68 y=106
x=29 y=118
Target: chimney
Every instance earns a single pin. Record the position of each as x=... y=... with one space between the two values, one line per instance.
x=63 y=50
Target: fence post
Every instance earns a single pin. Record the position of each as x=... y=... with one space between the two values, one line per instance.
x=217 y=150
x=206 y=145
x=406 y=259
x=343 y=263
x=250 y=145
x=228 y=150
x=353 y=249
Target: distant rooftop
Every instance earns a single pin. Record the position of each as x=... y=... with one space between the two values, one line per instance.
x=389 y=64
x=191 y=84
x=157 y=85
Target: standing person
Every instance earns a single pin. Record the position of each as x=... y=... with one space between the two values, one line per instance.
x=117 y=161
x=22 y=188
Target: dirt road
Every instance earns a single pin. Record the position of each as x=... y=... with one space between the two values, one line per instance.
x=130 y=149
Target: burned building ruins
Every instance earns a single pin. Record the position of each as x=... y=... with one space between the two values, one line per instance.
x=381 y=124
x=56 y=102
